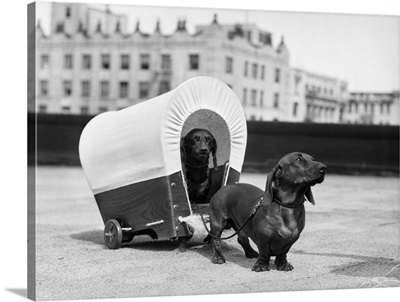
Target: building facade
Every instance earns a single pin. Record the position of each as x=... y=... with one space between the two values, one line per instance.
x=91 y=63
x=372 y=108
x=316 y=98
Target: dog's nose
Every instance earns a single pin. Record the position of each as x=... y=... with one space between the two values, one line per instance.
x=323 y=169
x=203 y=150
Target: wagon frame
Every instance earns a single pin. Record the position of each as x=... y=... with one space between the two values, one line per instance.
x=132 y=162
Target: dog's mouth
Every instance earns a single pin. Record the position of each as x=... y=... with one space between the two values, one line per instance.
x=203 y=154
x=318 y=180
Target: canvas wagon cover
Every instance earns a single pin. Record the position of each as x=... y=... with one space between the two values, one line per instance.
x=142 y=142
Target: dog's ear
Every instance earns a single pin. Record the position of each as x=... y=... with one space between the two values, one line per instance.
x=309 y=195
x=214 y=152
x=183 y=149
x=272 y=184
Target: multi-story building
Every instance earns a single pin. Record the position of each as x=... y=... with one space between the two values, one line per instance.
x=372 y=108
x=316 y=98
x=90 y=63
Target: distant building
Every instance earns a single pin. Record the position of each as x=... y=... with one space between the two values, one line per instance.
x=316 y=98
x=90 y=63
x=372 y=108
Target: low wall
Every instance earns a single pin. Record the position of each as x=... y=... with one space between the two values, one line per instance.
x=349 y=149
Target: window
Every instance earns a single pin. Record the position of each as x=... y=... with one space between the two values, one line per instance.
x=103 y=109
x=125 y=61
x=86 y=61
x=262 y=72
x=104 y=89
x=44 y=61
x=42 y=108
x=249 y=35
x=277 y=75
x=84 y=110
x=254 y=70
x=85 y=88
x=123 y=89
x=164 y=87
x=261 y=98
x=68 y=12
x=244 y=96
x=166 y=62
x=264 y=38
x=246 y=67
x=253 y=97
x=276 y=100
x=65 y=109
x=295 y=108
x=105 y=61
x=44 y=88
x=67 y=87
x=144 y=88
x=194 y=62
x=229 y=65
x=68 y=61
x=144 y=61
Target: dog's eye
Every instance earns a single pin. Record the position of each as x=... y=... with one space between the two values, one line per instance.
x=299 y=159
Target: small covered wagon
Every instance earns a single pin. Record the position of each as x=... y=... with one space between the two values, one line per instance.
x=132 y=159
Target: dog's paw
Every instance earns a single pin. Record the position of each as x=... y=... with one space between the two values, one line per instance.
x=260 y=267
x=251 y=254
x=218 y=260
x=286 y=267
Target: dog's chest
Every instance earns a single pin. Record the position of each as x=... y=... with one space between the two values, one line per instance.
x=288 y=223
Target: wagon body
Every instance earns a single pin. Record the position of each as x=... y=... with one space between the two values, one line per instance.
x=132 y=161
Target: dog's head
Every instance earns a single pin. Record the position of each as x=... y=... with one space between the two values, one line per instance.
x=197 y=145
x=297 y=171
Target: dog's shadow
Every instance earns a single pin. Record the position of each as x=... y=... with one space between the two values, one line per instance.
x=231 y=253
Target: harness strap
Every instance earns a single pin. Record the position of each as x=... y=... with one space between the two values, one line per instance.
x=256 y=207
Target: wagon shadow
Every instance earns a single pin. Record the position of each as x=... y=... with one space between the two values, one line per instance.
x=95 y=236
x=139 y=242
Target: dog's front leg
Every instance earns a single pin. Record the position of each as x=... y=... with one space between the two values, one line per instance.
x=262 y=263
x=282 y=264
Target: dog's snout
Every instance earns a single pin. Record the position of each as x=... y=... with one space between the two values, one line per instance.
x=323 y=168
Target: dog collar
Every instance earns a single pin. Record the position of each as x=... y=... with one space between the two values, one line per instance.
x=290 y=206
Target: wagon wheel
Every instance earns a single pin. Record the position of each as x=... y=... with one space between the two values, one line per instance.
x=113 y=234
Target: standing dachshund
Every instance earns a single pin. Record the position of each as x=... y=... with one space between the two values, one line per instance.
x=196 y=147
x=279 y=214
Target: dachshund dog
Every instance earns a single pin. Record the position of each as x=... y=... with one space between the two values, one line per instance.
x=278 y=212
x=196 y=148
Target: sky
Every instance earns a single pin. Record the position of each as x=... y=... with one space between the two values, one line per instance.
x=362 y=49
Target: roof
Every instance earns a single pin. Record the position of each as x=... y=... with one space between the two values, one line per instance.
x=142 y=142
